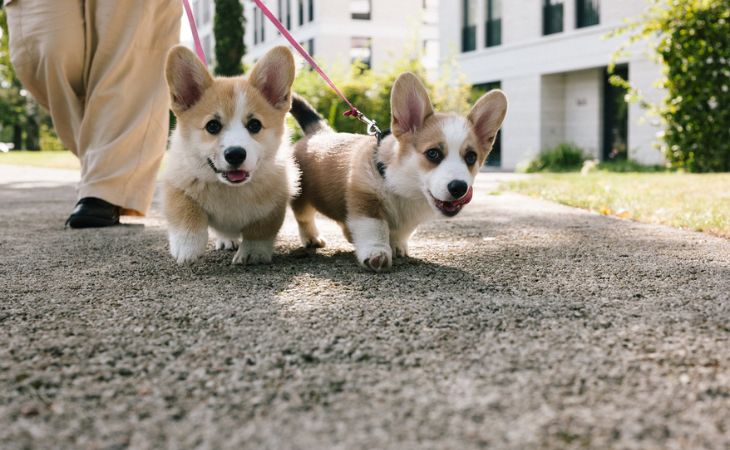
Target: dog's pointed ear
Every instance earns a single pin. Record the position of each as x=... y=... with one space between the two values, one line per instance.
x=487 y=116
x=409 y=103
x=187 y=78
x=273 y=76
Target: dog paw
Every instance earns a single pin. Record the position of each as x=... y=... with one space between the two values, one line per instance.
x=400 y=250
x=378 y=260
x=314 y=243
x=254 y=252
x=186 y=247
x=227 y=244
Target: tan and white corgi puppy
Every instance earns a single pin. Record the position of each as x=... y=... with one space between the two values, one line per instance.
x=230 y=166
x=380 y=193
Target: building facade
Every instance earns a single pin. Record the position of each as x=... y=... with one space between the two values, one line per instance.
x=551 y=58
x=337 y=32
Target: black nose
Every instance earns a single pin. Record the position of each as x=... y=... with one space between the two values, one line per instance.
x=458 y=188
x=235 y=156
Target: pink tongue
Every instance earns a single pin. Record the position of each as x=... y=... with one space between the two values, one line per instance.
x=236 y=175
x=465 y=199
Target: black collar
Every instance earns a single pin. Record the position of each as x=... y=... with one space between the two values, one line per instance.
x=380 y=165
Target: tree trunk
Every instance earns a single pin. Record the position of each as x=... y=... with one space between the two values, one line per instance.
x=17 y=137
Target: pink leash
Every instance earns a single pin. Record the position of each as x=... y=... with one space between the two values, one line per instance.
x=194 y=28
x=372 y=129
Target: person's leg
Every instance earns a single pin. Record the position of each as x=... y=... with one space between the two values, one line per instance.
x=47 y=52
x=124 y=130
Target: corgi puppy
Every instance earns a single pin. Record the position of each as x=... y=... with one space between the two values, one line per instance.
x=230 y=167
x=380 y=192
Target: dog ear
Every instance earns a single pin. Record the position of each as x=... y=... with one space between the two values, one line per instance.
x=409 y=103
x=187 y=78
x=487 y=116
x=273 y=76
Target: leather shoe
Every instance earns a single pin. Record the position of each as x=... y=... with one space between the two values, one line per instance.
x=92 y=212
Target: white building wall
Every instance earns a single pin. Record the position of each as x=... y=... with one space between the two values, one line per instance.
x=584 y=110
x=577 y=56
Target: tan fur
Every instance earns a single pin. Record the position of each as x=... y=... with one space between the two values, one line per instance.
x=340 y=178
x=194 y=196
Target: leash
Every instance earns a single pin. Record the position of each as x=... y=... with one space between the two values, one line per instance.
x=194 y=29
x=372 y=127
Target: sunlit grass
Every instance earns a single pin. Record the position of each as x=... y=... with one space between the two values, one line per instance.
x=47 y=159
x=689 y=201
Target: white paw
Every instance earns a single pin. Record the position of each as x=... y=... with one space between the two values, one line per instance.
x=227 y=244
x=377 y=259
x=254 y=252
x=399 y=249
x=187 y=246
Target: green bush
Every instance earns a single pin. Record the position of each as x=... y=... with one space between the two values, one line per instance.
x=49 y=140
x=691 y=39
x=626 y=166
x=370 y=90
x=228 y=26
x=562 y=158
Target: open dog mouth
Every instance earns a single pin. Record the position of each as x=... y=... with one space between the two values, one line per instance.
x=232 y=176
x=450 y=209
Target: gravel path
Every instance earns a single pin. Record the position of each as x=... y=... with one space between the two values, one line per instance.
x=520 y=324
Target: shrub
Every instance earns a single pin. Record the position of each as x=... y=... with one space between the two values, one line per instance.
x=691 y=39
x=562 y=158
x=625 y=166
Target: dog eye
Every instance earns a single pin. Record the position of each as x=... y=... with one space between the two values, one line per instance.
x=434 y=155
x=214 y=126
x=254 y=126
x=470 y=158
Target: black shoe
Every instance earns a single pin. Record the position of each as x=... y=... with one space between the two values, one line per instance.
x=91 y=212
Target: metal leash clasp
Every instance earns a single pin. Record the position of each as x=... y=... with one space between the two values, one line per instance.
x=372 y=126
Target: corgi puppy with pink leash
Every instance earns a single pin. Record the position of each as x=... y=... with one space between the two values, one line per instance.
x=380 y=191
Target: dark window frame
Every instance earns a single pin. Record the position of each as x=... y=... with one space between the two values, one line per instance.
x=311 y=10
x=468 y=32
x=552 y=17
x=493 y=26
x=363 y=16
x=587 y=13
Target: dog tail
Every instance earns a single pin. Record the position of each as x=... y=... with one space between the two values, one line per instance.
x=307 y=117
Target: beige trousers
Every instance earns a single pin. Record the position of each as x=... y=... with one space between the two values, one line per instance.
x=98 y=67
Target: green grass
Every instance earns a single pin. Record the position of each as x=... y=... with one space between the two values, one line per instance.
x=48 y=159
x=688 y=201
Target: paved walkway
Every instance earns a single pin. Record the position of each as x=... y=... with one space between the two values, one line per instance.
x=520 y=324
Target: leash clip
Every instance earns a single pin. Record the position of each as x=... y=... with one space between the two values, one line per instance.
x=372 y=126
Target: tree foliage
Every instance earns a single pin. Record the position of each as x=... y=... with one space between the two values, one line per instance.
x=370 y=90
x=691 y=39
x=228 y=28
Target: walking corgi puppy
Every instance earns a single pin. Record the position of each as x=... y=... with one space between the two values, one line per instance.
x=230 y=166
x=380 y=193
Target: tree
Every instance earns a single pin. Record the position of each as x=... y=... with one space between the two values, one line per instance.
x=691 y=39
x=228 y=28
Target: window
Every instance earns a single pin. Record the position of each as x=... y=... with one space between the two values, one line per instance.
x=301 y=12
x=360 y=9
x=469 y=26
x=263 y=25
x=494 y=23
x=310 y=47
x=280 y=11
x=311 y=10
x=255 y=26
x=207 y=47
x=361 y=49
x=552 y=16
x=587 y=13
x=288 y=14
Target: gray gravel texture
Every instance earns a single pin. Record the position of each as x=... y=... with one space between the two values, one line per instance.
x=520 y=324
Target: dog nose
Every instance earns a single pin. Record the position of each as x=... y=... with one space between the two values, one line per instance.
x=458 y=188
x=235 y=156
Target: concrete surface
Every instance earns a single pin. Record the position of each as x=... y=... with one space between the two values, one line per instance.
x=520 y=324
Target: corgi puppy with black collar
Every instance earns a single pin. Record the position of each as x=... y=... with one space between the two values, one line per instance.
x=379 y=192
x=230 y=166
